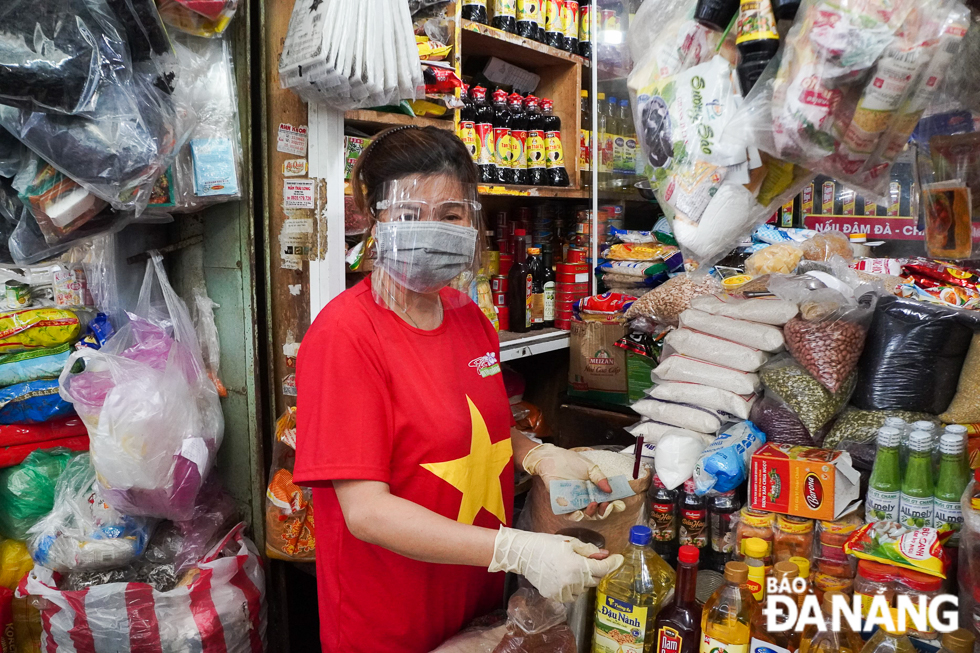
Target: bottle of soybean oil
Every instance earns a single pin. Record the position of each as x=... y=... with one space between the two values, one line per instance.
x=726 y=619
x=629 y=597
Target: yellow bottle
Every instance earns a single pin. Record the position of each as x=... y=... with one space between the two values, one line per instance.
x=726 y=620
x=756 y=550
x=629 y=597
x=828 y=640
x=885 y=641
x=782 y=641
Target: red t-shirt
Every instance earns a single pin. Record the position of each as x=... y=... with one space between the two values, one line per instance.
x=427 y=413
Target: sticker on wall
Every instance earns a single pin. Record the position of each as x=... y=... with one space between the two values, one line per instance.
x=294 y=168
x=289 y=386
x=298 y=194
x=295 y=240
x=292 y=140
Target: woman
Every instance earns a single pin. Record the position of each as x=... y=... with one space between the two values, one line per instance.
x=405 y=430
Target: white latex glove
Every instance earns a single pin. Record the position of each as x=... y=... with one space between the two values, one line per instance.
x=558 y=566
x=554 y=463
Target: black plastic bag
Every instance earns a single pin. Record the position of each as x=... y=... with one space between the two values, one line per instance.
x=913 y=356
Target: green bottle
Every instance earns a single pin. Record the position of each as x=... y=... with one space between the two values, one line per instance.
x=885 y=485
x=952 y=481
x=916 y=507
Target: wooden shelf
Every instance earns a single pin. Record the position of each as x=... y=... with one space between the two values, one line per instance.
x=482 y=39
x=383 y=119
x=534 y=191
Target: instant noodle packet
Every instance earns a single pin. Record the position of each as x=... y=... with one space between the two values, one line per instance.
x=893 y=544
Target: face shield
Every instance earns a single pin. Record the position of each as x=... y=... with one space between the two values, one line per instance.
x=427 y=233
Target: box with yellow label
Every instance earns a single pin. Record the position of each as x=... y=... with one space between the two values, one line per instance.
x=803 y=481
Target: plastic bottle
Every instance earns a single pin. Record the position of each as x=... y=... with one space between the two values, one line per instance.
x=529 y=20
x=501 y=138
x=518 y=138
x=475 y=10
x=549 y=285
x=570 y=26
x=960 y=431
x=959 y=641
x=585 y=141
x=586 y=21
x=628 y=598
x=612 y=133
x=483 y=114
x=722 y=514
x=554 y=29
x=756 y=551
x=629 y=136
x=606 y=136
x=694 y=519
x=535 y=265
x=715 y=14
x=763 y=640
x=785 y=9
x=678 y=626
x=884 y=641
x=828 y=640
x=885 y=484
x=803 y=564
x=466 y=131
x=916 y=502
x=519 y=286
x=536 y=154
x=664 y=520
x=505 y=15
x=922 y=425
x=950 y=484
x=756 y=39
x=618 y=139
x=727 y=616
x=555 y=154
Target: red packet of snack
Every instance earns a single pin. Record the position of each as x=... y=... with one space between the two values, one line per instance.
x=900 y=546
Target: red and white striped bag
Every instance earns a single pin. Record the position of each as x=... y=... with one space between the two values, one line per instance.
x=221 y=610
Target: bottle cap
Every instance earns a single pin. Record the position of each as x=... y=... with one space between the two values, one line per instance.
x=916 y=580
x=920 y=441
x=602 y=96
x=757 y=518
x=959 y=641
x=500 y=95
x=958 y=429
x=736 y=572
x=585 y=93
x=478 y=92
x=534 y=251
x=755 y=547
x=876 y=571
x=828 y=600
x=794 y=524
x=624 y=103
x=657 y=483
x=640 y=535
x=802 y=564
x=951 y=443
x=688 y=554
x=895 y=422
x=785 y=569
x=612 y=100
x=859 y=238
x=889 y=436
x=547 y=104
x=924 y=425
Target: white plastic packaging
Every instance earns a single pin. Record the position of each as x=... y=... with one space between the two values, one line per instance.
x=716 y=350
x=705 y=396
x=759 y=336
x=692 y=370
x=676 y=456
x=775 y=312
x=683 y=415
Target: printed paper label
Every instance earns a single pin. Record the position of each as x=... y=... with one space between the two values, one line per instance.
x=298 y=194
x=915 y=512
x=711 y=645
x=948 y=512
x=294 y=168
x=881 y=506
x=292 y=140
x=555 y=154
x=620 y=627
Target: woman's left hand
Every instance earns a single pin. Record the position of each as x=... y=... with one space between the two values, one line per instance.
x=553 y=463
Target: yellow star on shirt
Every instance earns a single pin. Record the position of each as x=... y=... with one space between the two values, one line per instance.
x=477 y=475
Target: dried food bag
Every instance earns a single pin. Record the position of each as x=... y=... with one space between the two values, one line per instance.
x=965 y=407
x=780 y=423
x=704 y=396
x=535 y=623
x=724 y=464
x=913 y=357
x=841 y=96
x=713 y=349
x=27 y=490
x=37 y=328
x=15 y=562
x=210 y=8
x=781 y=258
x=153 y=415
x=651 y=431
x=827 y=244
x=758 y=336
x=682 y=415
x=775 y=312
x=82 y=531
x=181 y=18
x=675 y=457
x=58 y=204
x=788 y=382
x=667 y=301
x=34 y=402
x=25 y=366
x=692 y=370
x=289 y=525
x=861 y=426
x=220 y=601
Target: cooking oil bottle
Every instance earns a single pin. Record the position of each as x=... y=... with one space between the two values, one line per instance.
x=828 y=640
x=726 y=620
x=885 y=641
x=629 y=597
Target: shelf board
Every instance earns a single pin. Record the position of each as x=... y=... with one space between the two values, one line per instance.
x=502 y=190
x=385 y=119
x=480 y=39
x=521 y=345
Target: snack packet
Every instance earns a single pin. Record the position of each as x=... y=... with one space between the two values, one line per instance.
x=893 y=544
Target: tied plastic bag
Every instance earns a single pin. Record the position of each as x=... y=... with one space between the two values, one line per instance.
x=27 y=490
x=676 y=455
x=788 y=383
x=289 y=525
x=153 y=415
x=82 y=532
x=535 y=623
x=221 y=599
x=724 y=464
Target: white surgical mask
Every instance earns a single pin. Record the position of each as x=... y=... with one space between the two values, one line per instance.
x=424 y=256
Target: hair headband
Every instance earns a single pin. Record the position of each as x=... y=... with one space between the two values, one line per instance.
x=370 y=148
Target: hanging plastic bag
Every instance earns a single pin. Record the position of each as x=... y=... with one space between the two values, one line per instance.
x=207 y=336
x=535 y=623
x=82 y=532
x=289 y=525
x=153 y=415
x=27 y=491
x=180 y=17
x=222 y=599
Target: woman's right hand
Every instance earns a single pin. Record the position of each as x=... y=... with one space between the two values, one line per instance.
x=560 y=567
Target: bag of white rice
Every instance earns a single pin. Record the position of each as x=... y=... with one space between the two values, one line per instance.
x=760 y=336
x=686 y=416
x=692 y=370
x=716 y=350
x=705 y=396
x=651 y=431
x=776 y=312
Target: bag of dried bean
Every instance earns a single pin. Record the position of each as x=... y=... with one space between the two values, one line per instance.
x=787 y=382
x=667 y=301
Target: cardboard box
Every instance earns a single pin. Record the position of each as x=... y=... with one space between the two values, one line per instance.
x=597 y=367
x=803 y=481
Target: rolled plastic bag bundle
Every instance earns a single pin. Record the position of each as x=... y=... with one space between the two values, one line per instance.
x=27 y=491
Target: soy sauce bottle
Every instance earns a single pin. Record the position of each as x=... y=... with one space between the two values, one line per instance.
x=501 y=137
x=520 y=286
x=555 y=155
x=554 y=33
x=722 y=510
x=549 y=285
x=518 y=138
x=536 y=266
x=694 y=519
x=536 y=151
x=664 y=520
x=475 y=10
x=505 y=15
x=483 y=115
x=756 y=39
x=467 y=126
x=529 y=20
x=570 y=26
x=585 y=17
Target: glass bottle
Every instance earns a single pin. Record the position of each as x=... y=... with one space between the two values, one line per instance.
x=783 y=641
x=756 y=550
x=612 y=135
x=727 y=615
x=629 y=136
x=884 y=641
x=664 y=520
x=722 y=511
x=916 y=501
x=828 y=640
x=475 y=10
x=950 y=484
x=678 y=626
x=756 y=39
x=519 y=286
x=555 y=153
x=501 y=138
x=885 y=485
x=959 y=641
x=585 y=142
x=922 y=425
x=536 y=155
x=960 y=430
x=694 y=518
x=535 y=265
x=549 y=285
x=628 y=598
x=505 y=15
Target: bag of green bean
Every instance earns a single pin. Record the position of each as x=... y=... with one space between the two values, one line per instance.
x=787 y=381
x=861 y=426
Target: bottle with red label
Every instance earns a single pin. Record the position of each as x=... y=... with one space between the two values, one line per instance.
x=467 y=125
x=501 y=137
x=664 y=520
x=722 y=511
x=483 y=115
x=536 y=155
x=518 y=138
x=678 y=626
x=694 y=518
x=555 y=154
x=520 y=286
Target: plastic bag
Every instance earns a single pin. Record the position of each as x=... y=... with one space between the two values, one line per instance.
x=82 y=532
x=176 y=14
x=207 y=336
x=43 y=363
x=15 y=562
x=704 y=396
x=965 y=406
x=713 y=349
x=780 y=423
x=781 y=258
x=36 y=328
x=289 y=525
x=215 y=513
x=786 y=381
x=913 y=356
x=724 y=464
x=667 y=301
x=58 y=204
x=826 y=245
x=848 y=86
x=758 y=336
x=861 y=426
x=535 y=623
x=27 y=491
x=222 y=600
x=153 y=415
x=675 y=457
x=775 y=312
x=33 y=402
x=682 y=415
